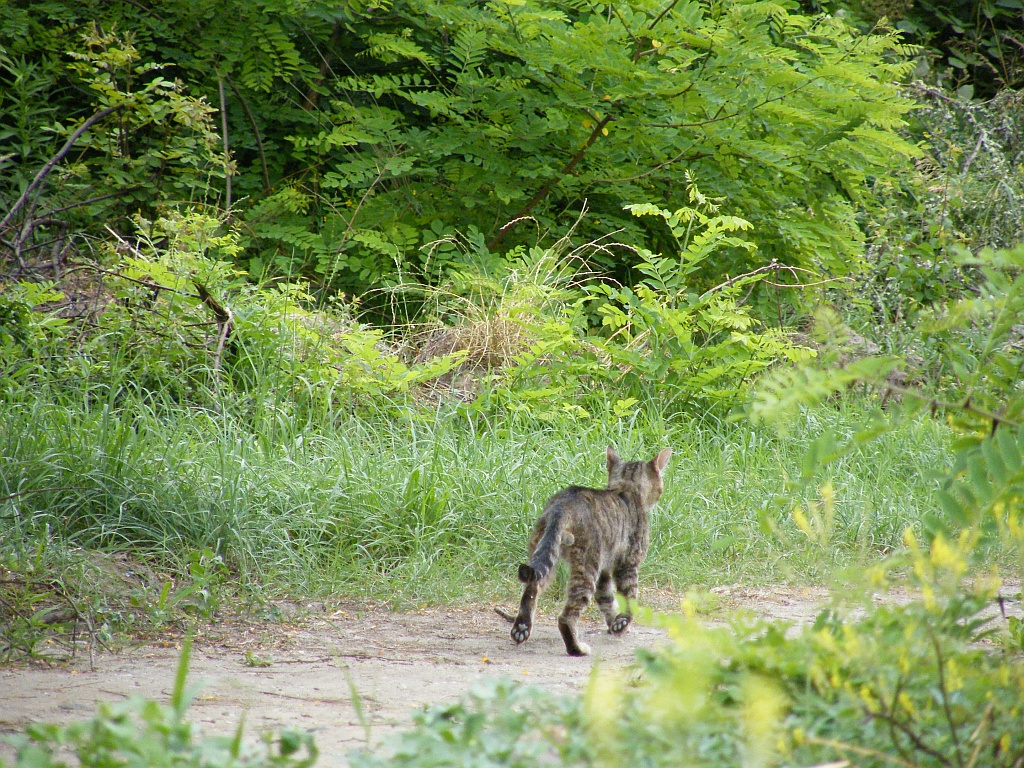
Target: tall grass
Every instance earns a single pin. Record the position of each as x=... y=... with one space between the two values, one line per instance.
x=430 y=505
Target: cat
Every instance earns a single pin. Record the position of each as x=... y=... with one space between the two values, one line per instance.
x=603 y=535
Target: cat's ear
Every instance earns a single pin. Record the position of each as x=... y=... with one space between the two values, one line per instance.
x=660 y=461
x=613 y=459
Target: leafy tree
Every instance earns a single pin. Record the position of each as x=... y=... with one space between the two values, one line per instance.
x=524 y=112
x=976 y=46
x=136 y=140
x=358 y=134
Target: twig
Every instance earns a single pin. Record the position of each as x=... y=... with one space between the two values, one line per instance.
x=145 y=283
x=939 y=664
x=326 y=60
x=663 y=14
x=655 y=168
x=78 y=617
x=982 y=137
x=92 y=200
x=227 y=151
x=774 y=266
x=842 y=746
x=826 y=281
x=4 y=499
x=636 y=42
x=906 y=731
x=45 y=170
x=225 y=317
x=944 y=405
x=224 y=331
x=350 y=224
x=892 y=728
x=986 y=720
x=255 y=132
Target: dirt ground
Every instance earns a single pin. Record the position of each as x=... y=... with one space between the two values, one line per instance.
x=397 y=662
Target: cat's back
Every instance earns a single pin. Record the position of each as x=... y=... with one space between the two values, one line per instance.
x=578 y=500
x=591 y=513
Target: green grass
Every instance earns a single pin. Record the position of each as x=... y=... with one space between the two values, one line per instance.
x=415 y=506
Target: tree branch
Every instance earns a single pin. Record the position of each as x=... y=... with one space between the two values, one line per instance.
x=227 y=149
x=92 y=200
x=225 y=318
x=663 y=14
x=543 y=191
x=255 y=133
x=45 y=170
x=940 y=663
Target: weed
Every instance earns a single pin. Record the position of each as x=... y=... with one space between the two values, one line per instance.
x=252 y=660
x=140 y=731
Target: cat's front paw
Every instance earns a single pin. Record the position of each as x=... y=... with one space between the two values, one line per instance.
x=619 y=624
x=520 y=631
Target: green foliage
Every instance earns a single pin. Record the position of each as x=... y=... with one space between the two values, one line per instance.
x=140 y=731
x=388 y=503
x=358 y=136
x=547 y=330
x=971 y=46
x=58 y=599
x=180 y=323
x=499 y=723
x=965 y=193
x=978 y=390
x=974 y=171
x=530 y=110
x=701 y=348
x=149 y=141
x=904 y=684
x=21 y=328
x=975 y=45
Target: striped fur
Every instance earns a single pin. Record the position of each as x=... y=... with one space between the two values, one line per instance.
x=603 y=535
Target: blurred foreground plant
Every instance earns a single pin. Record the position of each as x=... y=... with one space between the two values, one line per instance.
x=140 y=732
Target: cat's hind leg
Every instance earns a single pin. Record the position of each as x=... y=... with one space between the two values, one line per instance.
x=626 y=583
x=581 y=589
x=604 y=596
x=523 y=622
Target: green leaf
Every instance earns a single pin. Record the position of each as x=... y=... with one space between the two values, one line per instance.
x=951 y=507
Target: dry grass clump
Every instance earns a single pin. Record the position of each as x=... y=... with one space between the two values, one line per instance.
x=494 y=322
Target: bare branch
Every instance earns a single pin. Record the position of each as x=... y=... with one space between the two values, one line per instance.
x=45 y=170
x=19 y=494
x=227 y=150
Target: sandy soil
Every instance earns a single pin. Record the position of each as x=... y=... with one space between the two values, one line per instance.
x=397 y=662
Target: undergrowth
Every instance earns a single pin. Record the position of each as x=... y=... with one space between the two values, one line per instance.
x=415 y=505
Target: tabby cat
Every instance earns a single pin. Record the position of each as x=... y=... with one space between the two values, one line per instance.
x=603 y=535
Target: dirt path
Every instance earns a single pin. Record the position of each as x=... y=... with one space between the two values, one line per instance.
x=396 y=662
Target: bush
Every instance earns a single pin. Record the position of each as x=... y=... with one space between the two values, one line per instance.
x=174 y=321
x=964 y=193
x=353 y=140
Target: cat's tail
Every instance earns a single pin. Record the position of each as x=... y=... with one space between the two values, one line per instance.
x=548 y=550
